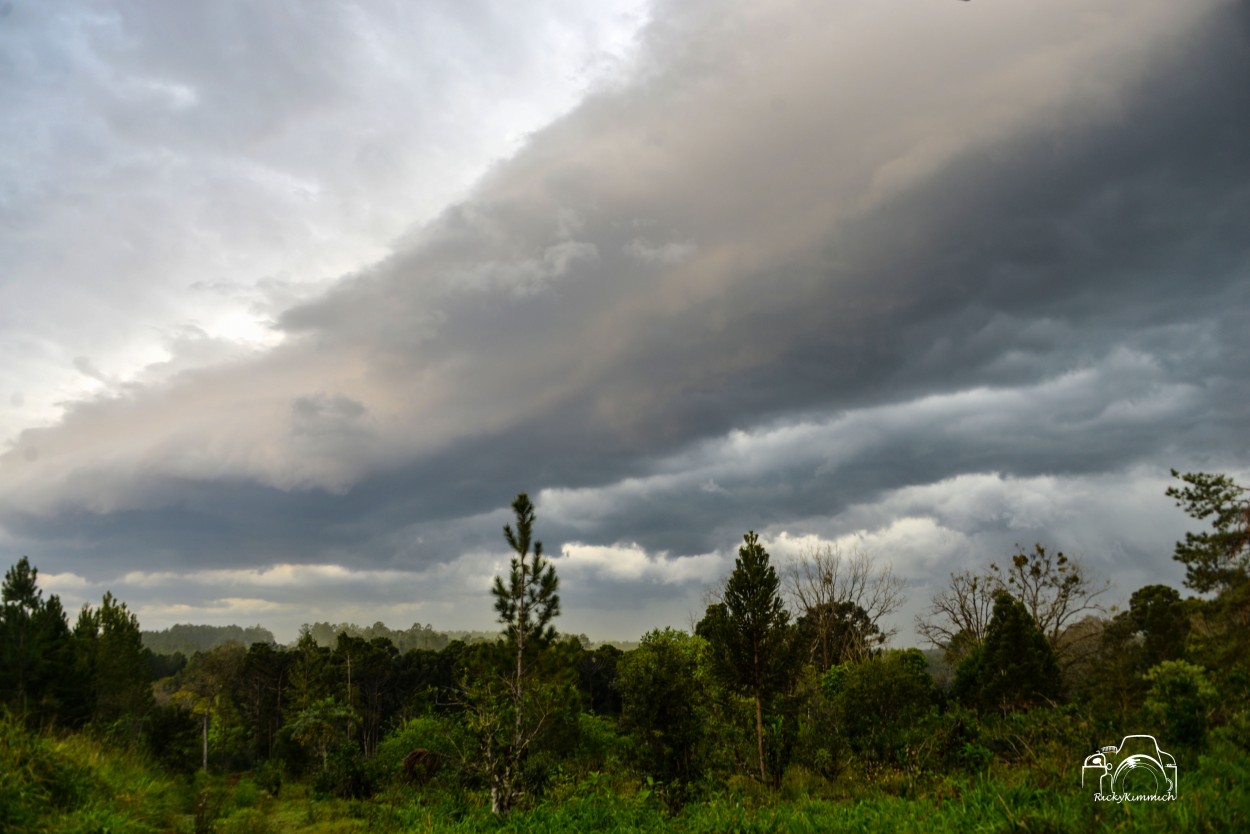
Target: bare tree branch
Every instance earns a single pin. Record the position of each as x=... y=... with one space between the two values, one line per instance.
x=961 y=610
x=830 y=588
x=1058 y=592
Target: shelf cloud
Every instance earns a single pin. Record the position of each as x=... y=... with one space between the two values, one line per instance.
x=930 y=279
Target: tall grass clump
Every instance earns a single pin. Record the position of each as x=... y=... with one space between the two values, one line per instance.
x=73 y=783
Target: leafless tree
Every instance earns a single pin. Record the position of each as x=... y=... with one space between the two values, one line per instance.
x=1077 y=649
x=959 y=613
x=713 y=594
x=1057 y=591
x=829 y=588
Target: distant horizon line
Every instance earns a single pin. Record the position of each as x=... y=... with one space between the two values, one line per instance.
x=451 y=635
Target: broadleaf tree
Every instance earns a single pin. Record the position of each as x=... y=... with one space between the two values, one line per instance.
x=959 y=615
x=664 y=705
x=1056 y=590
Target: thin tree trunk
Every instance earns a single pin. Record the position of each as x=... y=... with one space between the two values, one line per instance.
x=515 y=752
x=759 y=715
x=205 y=758
x=759 y=732
x=21 y=659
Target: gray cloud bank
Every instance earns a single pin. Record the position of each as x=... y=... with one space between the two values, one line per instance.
x=174 y=176
x=938 y=279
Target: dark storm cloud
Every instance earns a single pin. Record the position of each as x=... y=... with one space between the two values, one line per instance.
x=776 y=279
x=1045 y=254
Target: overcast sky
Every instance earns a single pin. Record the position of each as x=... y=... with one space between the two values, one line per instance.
x=295 y=297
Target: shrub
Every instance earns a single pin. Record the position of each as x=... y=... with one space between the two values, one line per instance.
x=246 y=794
x=664 y=704
x=1179 y=701
x=432 y=732
x=882 y=704
x=973 y=757
x=601 y=746
x=345 y=775
x=268 y=777
x=172 y=737
x=244 y=821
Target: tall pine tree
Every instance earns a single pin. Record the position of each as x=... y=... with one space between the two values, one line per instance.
x=36 y=658
x=19 y=650
x=749 y=632
x=509 y=722
x=1218 y=559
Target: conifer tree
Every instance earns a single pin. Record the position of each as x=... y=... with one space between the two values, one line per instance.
x=509 y=722
x=19 y=654
x=1015 y=667
x=123 y=694
x=527 y=604
x=36 y=660
x=1219 y=559
x=749 y=632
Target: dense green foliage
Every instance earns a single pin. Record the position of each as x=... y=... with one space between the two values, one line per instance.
x=883 y=706
x=1014 y=668
x=666 y=705
x=741 y=727
x=752 y=643
x=74 y=784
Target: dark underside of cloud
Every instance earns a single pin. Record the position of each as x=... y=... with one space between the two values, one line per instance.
x=1085 y=286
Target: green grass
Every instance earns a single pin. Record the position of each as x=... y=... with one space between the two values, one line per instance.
x=76 y=785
